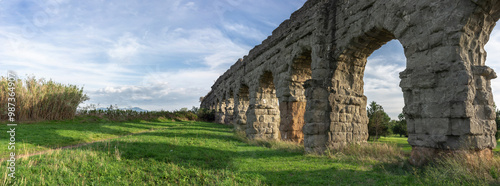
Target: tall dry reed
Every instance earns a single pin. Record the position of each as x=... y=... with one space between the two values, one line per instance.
x=39 y=99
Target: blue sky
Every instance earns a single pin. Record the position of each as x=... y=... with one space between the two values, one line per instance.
x=160 y=54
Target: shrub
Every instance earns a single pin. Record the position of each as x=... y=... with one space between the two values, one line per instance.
x=206 y=115
x=113 y=113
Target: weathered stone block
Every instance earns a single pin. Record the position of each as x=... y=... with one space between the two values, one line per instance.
x=436 y=126
x=314 y=128
x=460 y=126
x=461 y=109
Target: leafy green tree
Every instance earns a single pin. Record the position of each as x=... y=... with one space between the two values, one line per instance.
x=378 y=124
x=194 y=109
x=400 y=127
x=392 y=126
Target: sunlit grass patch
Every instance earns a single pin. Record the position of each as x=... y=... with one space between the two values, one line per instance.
x=36 y=137
x=401 y=142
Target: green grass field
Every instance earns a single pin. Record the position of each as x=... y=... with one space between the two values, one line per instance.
x=403 y=143
x=197 y=153
x=31 y=138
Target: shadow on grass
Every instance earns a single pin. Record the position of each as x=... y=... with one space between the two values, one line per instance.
x=197 y=146
x=64 y=133
x=206 y=158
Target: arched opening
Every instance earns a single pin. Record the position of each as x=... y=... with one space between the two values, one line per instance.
x=228 y=119
x=264 y=117
x=241 y=107
x=381 y=79
x=292 y=111
x=349 y=120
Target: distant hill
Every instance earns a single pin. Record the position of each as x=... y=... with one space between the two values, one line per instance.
x=138 y=109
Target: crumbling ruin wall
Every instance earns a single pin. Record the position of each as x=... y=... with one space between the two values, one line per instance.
x=305 y=82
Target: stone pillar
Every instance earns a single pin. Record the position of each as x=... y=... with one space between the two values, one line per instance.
x=240 y=109
x=220 y=113
x=293 y=105
x=449 y=105
x=448 y=99
x=263 y=112
x=292 y=120
x=228 y=116
x=349 y=120
x=316 y=117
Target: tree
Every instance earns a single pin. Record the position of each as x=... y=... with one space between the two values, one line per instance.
x=378 y=124
x=400 y=127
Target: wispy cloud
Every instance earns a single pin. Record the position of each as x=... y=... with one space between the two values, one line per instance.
x=210 y=44
x=127 y=46
x=244 y=31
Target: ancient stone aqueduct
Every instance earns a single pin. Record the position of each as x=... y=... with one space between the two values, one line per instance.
x=305 y=81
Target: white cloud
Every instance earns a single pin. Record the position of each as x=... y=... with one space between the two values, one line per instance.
x=210 y=44
x=126 y=47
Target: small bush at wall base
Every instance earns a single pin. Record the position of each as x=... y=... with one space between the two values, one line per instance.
x=206 y=115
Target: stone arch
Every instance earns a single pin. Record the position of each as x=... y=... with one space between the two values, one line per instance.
x=292 y=110
x=349 y=121
x=241 y=106
x=263 y=115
